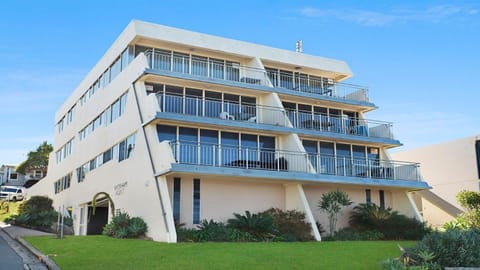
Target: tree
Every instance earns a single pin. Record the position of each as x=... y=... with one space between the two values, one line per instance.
x=332 y=203
x=469 y=199
x=37 y=159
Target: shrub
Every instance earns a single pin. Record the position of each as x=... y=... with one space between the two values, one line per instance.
x=469 y=200
x=290 y=225
x=351 y=235
x=213 y=231
x=122 y=226
x=36 y=213
x=186 y=235
x=369 y=216
x=392 y=225
x=453 y=248
x=260 y=225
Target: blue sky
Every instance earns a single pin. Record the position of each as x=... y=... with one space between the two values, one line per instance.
x=420 y=59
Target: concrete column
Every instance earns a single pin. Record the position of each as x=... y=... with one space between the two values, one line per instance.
x=295 y=199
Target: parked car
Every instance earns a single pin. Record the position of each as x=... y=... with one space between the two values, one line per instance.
x=12 y=193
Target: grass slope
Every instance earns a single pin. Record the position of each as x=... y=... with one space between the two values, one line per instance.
x=100 y=252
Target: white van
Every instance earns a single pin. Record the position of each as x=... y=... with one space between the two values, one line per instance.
x=12 y=193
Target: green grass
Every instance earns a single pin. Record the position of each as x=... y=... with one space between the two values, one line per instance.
x=12 y=210
x=100 y=252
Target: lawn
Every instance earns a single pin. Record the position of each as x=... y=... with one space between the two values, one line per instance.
x=101 y=252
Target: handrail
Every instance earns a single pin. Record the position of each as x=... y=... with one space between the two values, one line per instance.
x=214 y=108
x=290 y=161
x=229 y=71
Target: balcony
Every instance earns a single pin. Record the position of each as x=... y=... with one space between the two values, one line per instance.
x=230 y=71
x=214 y=155
x=317 y=85
x=207 y=68
x=340 y=124
x=254 y=113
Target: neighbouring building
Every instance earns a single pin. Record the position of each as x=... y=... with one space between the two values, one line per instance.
x=8 y=176
x=450 y=167
x=178 y=126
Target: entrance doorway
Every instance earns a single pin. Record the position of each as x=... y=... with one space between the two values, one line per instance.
x=99 y=220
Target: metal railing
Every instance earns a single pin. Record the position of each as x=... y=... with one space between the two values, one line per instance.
x=318 y=86
x=340 y=124
x=277 y=160
x=204 y=67
x=229 y=71
x=211 y=108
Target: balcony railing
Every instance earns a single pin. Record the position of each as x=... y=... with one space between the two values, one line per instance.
x=318 y=85
x=210 y=108
x=207 y=68
x=275 y=160
x=340 y=124
x=229 y=71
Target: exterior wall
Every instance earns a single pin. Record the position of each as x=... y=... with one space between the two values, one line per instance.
x=395 y=199
x=220 y=198
x=433 y=215
x=449 y=167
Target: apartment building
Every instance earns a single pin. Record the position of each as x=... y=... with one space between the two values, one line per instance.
x=450 y=167
x=178 y=126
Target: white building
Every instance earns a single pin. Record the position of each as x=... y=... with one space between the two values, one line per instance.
x=450 y=167
x=181 y=126
x=8 y=176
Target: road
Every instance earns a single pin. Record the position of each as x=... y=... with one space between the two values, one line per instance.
x=10 y=260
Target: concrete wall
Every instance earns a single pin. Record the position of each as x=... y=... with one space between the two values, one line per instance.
x=395 y=199
x=448 y=167
x=220 y=198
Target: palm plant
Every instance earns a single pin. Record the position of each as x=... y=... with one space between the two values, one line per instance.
x=369 y=216
x=260 y=225
x=332 y=202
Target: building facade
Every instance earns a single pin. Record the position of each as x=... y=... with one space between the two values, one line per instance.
x=178 y=126
x=8 y=176
x=451 y=167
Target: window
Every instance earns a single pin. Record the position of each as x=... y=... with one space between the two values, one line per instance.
x=189 y=136
x=229 y=144
x=60 y=125
x=126 y=147
x=209 y=150
x=181 y=62
x=196 y=201
x=312 y=151
x=13 y=176
x=107 y=155
x=199 y=65
x=121 y=151
x=477 y=148
x=343 y=159
x=176 y=199
x=381 y=194
x=80 y=174
x=167 y=133
x=368 y=196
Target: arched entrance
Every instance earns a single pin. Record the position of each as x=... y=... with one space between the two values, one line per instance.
x=98 y=212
